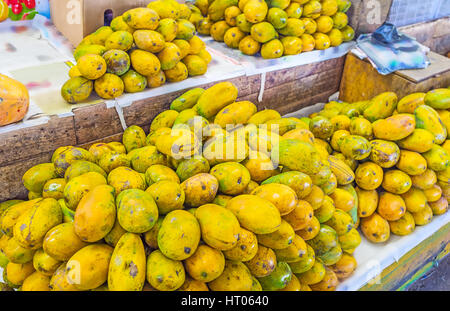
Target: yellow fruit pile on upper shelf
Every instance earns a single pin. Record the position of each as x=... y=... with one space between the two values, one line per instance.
x=224 y=216
x=144 y=47
x=274 y=28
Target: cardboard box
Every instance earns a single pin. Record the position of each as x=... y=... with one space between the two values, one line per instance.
x=76 y=19
x=365 y=16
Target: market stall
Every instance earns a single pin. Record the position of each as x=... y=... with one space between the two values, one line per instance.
x=108 y=163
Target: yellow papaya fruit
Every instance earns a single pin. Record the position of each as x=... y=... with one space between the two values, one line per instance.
x=255 y=11
x=263 y=116
x=109 y=86
x=263 y=32
x=294 y=27
x=242 y=23
x=272 y=49
x=235 y=277
x=126 y=271
x=82 y=50
x=355 y=147
x=216 y=9
x=196 y=195
x=76 y=89
x=149 y=40
x=232 y=37
x=169 y=56
x=95 y=214
x=141 y=18
x=156 y=80
x=292 y=45
x=119 y=24
x=381 y=106
x=206 y=264
x=396 y=181
x=44 y=263
x=179 y=235
x=77 y=187
x=277 y=17
x=36 y=177
x=119 y=40
x=215 y=98
x=231 y=13
x=88 y=268
x=180 y=71
x=395 y=127
x=185 y=29
x=428 y=119
x=253 y=213
x=145 y=62
x=420 y=141
x=384 y=153
x=375 y=228
x=410 y=102
x=245 y=248
x=403 y=226
x=341 y=170
x=438 y=159
x=424 y=216
x=219 y=227
x=166 y=8
x=218 y=30
x=412 y=163
x=133 y=81
x=195 y=65
x=133 y=219
x=438 y=98
x=249 y=46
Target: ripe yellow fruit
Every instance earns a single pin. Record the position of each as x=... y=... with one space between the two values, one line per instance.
x=308 y=42
x=324 y=24
x=336 y=37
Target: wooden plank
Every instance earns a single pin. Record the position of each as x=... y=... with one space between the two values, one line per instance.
x=95 y=122
x=115 y=137
x=397 y=274
x=31 y=141
x=360 y=81
x=11 y=176
x=423 y=270
x=438 y=64
x=297 y=94
x=279 y=77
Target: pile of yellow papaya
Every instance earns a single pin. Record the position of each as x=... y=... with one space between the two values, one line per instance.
x=398 y=154
x=143 y=48
x=220 y=196
x=274 y=28
x=215 y=196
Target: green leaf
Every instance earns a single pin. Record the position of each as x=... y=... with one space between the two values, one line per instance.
x=13 y=16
